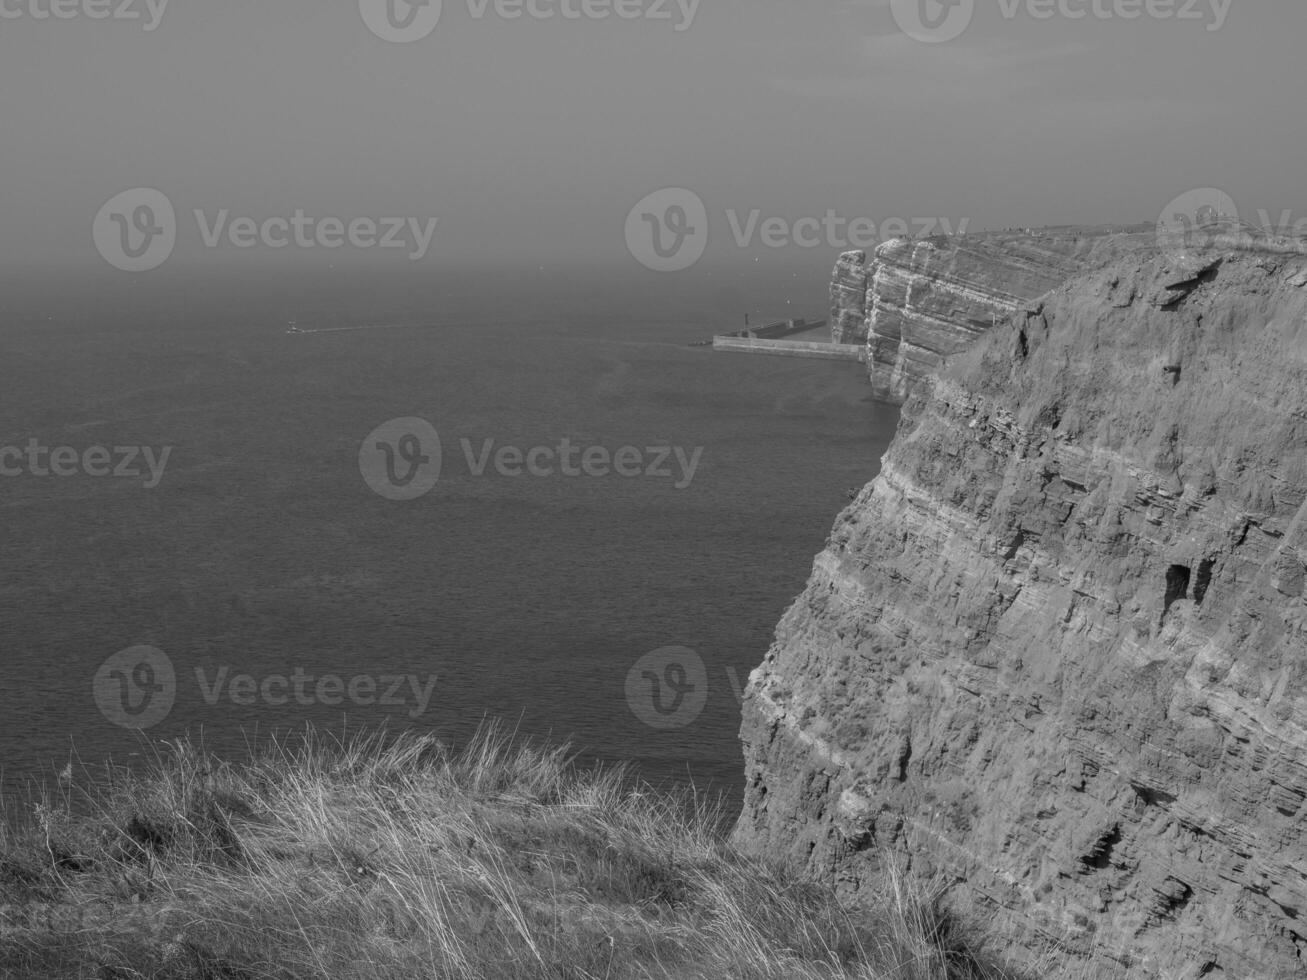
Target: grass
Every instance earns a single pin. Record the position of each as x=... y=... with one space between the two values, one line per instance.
x=392 y=857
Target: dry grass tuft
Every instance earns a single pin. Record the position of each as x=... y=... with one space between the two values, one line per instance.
x=392 y=858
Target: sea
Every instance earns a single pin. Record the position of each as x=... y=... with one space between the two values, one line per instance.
x=587 y=532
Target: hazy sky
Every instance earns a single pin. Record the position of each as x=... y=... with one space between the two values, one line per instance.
x=531 y=139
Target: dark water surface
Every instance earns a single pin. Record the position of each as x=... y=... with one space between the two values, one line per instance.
x=262 y=551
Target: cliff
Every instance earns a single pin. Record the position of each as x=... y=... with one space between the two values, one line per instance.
x=1056 y=653
x=920 y=300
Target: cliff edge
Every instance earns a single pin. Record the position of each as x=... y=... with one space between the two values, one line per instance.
x=915 y=301
x=1056 y=653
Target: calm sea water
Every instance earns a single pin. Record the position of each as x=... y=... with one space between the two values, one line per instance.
x=263 y=552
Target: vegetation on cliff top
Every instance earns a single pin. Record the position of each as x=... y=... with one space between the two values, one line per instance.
x=395 y=858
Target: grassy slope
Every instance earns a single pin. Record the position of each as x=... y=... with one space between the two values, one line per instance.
x=392 y=858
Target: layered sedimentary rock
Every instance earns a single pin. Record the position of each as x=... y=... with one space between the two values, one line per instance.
x=916 y=301
x=1056 y=653
x=848 y=299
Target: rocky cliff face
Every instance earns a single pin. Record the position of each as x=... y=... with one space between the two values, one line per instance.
x=918 y=300
x=1057 y=651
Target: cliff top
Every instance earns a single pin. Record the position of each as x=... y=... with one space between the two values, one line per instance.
x=397 y=859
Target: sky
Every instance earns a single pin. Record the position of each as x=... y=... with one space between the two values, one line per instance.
x=529 y=139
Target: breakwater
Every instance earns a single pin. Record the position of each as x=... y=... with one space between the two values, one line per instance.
x=792 y=348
